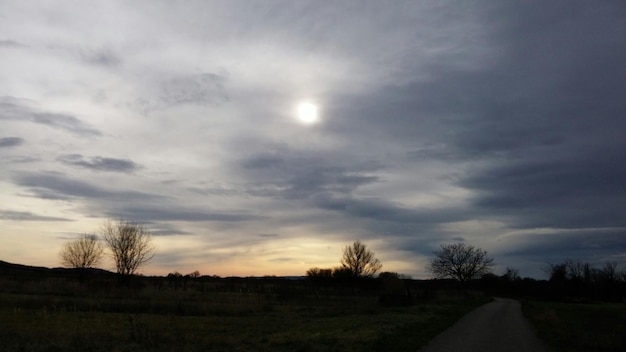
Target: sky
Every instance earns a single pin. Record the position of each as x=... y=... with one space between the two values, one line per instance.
x=500 y=124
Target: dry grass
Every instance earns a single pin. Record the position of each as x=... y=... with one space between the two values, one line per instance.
x=579 y=326
x=150 y=320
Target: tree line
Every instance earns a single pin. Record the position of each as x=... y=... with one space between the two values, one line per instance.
x=458 y=261
x=130 y=246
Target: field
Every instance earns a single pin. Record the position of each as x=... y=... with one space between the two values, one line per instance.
x=580 y=327
x=60 y=314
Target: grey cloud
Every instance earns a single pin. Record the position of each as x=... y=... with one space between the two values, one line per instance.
x=380 y=210
x=27 y=216
x=205 y=88
x=217 y=191
x=102 y=56
x=268 y=235
x=14 y=109
x=262 y=162
x=535 y=92
x=538 y=129
x=521 y=105
x=54 y=186
x=164 y=229
x=284 y=259
x=563 y=193
x=593 y=245
x=7 y=43
x=301 y=176
x=152 y=213
x=99 y=163
x=8 y=142
x=22 y=160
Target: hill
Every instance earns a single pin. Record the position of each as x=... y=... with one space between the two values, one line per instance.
x=11 y=268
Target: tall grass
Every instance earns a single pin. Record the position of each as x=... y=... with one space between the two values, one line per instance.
x=583 y=327
x=279 y=317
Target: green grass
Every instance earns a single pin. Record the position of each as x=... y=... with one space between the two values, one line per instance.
x=579 y=326
x=218 y=321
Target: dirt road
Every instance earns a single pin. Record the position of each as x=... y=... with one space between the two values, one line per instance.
x=496 y=326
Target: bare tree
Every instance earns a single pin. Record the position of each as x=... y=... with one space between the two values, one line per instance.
x=82 y=253
x=359 y=260
x=610 y=273
x=511 y=274
x=460 y=261
x=130 y=245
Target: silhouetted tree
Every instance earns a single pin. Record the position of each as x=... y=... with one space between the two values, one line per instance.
x=609 y=272
x=82 y=253
x=130 y=245
x=577 y=270
x=195 y=274
x=340 y=272
x=461 y=262
x=359 y=260
x=388 y=275
x=319 y=273
x=557 y=272
x=511 y=275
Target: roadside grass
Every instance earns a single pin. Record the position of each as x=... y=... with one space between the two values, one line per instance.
x=579 y=326
x=220 y=321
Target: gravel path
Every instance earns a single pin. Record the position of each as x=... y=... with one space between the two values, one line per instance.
x=496 y=326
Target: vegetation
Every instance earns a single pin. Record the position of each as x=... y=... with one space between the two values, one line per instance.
x=461 y=262
x=82 y=253
x=130 y=245
x=359 y=260
x=579 y=326
x=339 y=309
x=186 y=313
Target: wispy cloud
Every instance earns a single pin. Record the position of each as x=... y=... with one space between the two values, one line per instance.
x=7 y=43
x=102 y=56
x=56 y=186
x=155 y=213
x=14 y=109
x=99 y=163
x=8 y=142
x=28 y=216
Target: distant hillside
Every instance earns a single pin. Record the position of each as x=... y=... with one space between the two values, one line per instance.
x=10 y=268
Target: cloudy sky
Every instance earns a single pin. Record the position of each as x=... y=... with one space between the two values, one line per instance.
x=501 y=124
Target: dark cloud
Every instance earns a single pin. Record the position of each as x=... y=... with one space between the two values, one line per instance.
x=565 y=193
x=56 y=186
x=501 y=112
x=27 y=216
x=152 y=213
x=381 y=210
x=15 y=109
x=536 y=134
x=305 y=175
x=8 y=142
x=592 y=245
x=99 y=163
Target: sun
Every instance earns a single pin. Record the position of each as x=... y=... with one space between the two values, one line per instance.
x=307 y=113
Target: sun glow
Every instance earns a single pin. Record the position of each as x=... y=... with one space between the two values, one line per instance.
x=307 y=113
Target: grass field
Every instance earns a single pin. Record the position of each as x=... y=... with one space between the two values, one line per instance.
x=579 y=326
x=151 y=320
